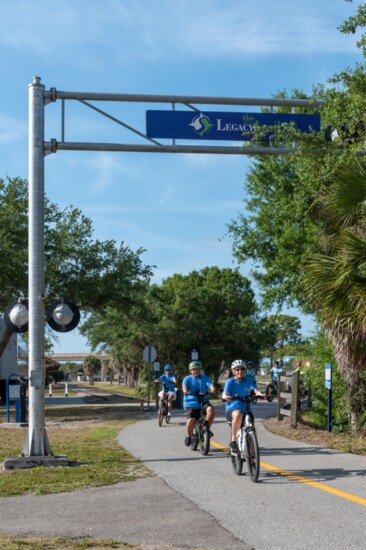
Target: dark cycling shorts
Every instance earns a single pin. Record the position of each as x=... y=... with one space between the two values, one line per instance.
x=196 y=413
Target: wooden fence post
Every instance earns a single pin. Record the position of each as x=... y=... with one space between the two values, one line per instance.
x=294 y=398
x=279 y=400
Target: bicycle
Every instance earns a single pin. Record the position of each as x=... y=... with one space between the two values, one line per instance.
x=163 y=407
x=201 y=431
x=246 y=439
x=271 y=390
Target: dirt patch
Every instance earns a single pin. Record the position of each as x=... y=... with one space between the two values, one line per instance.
x=306 y=433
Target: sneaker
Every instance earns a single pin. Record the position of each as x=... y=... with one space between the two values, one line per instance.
x=233 y=446
x=187 y=441
x=168 y=414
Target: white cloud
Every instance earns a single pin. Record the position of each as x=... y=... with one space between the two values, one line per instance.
x=269 y=28
x=148 y=29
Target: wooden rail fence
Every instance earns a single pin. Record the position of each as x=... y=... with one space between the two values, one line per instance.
x=284 y=398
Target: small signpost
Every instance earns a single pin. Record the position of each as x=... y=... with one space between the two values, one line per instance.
x=149 y=355
x=328 y=385
x=16 y=394
x=194 y=355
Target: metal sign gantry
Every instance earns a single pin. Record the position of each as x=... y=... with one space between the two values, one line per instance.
x=37 y=444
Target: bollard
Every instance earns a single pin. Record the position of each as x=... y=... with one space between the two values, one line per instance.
x=66 y=390
x=50 y=389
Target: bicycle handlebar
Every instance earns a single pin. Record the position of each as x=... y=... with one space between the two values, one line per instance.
x=246 y=398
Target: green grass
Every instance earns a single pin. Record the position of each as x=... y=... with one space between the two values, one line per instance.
x=17 y=542
x=112 y=388
x=87 y=436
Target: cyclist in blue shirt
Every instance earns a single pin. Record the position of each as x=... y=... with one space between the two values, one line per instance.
x=192 y=385
x=275 y=371
x=242 y=386
x=168 y=379
x=251 y=372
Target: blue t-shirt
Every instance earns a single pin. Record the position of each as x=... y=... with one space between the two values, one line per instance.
x=168 y=381
x=200 y=384
x=275 y=372
x=236 y=387
x=251 y=376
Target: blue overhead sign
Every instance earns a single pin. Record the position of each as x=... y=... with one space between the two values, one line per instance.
x=221 y=126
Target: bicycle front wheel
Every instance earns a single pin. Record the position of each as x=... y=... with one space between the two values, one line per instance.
x=270 y=393
x=253 y=455
x=195 y=438
x=204 y=440
x=237 y=462
x=161 y=414
x=167 y=418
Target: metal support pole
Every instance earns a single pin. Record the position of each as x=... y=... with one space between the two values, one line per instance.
x=36 y=443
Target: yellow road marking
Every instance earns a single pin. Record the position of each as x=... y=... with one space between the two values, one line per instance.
x=301 y=479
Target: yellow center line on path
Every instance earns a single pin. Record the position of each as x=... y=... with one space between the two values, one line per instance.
x=301 y=479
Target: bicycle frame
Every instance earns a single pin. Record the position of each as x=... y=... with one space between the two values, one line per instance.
x=163 y=406
x=201 y=432
x=247 y=442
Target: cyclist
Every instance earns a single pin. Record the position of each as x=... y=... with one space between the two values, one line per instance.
x=168 y=379
x=275 y=371
x=192 y=385
x=251 y=372
x=240 y=385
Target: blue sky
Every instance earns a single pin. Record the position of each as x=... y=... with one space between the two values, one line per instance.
x=175 y=206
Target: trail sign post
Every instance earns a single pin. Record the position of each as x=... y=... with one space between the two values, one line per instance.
x=328 y=385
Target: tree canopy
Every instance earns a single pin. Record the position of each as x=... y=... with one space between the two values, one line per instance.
x=90 y=272
x=305 y=221
x=211 y=310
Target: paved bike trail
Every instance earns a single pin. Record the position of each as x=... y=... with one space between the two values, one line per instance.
x=198 y=502
x=145 y=512
x=306 y=497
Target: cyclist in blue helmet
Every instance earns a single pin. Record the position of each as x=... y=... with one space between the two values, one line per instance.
x=192 y=385
x=168 y=379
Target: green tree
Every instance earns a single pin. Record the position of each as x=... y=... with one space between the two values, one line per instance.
x=280 y=230
x=280 y=333
x=210 y=310
x=123 y=332
x=91 y=366
x=335 y=281
x=90 y=272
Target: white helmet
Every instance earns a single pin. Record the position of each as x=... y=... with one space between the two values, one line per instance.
x=238 y=364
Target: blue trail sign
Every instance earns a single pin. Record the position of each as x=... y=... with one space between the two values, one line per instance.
x=221 y=126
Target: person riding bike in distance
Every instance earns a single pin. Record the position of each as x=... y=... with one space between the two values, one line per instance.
x=275 y=371
x=242 y=386
x=168 y=379
x=251 y=372
x=193 y=385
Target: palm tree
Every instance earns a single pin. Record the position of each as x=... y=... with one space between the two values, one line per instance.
x=335 y=281
x=91 y=366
